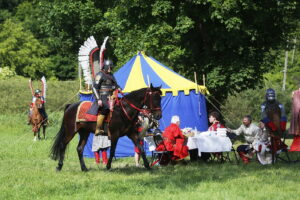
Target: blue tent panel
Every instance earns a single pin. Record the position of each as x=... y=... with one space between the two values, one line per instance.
x=190 y=108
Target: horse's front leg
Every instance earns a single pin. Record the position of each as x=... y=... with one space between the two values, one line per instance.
x=34 y=132
x=38 y=133
x=113 y=146
x=80 y=148
x=136 y=141
x=44 y=132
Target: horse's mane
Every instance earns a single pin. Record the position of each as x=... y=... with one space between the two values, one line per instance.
x=135 y=93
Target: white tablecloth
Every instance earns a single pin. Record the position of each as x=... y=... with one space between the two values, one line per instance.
x=209 y=144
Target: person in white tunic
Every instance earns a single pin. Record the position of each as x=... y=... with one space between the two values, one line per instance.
x=250 y=132
x=100 y=144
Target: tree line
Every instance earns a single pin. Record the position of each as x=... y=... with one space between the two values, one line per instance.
x=234 y=43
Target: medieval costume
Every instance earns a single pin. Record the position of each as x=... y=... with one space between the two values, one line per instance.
x=174 y=140
x=268 y=105
x=103 y=87
x=250 y=132
x=275 y=127
x=100 y=144
x=295 y=121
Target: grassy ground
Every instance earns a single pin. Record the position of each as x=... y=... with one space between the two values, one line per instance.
x=27 y=172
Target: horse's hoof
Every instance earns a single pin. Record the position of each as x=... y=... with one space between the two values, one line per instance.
x=58 y=169
x=85 y=170
x=148 y=167
x=108 y=167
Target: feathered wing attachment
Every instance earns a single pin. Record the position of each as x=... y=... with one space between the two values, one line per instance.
x=84 y=58
x=102 y=49
x=31 y=88
x=44 y=87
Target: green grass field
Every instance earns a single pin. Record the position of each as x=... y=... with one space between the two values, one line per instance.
x=27 y=172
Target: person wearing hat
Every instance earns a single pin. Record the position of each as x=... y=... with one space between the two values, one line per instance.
x=174 y=139
x=103 y=87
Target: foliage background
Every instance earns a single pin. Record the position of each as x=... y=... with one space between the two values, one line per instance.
x=233 y=42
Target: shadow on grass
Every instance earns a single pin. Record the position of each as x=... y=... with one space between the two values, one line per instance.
x=189 y=176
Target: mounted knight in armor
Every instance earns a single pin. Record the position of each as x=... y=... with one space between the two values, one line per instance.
x=98 y=73
x=274 y=120
x=270 y=106
x=103 y=87
x=41 y=94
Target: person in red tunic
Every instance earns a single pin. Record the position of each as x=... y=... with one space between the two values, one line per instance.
x=214 y=118
x=174 y=140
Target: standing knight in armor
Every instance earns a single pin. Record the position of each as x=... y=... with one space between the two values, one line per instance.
x=103 y=87
x=272 y=103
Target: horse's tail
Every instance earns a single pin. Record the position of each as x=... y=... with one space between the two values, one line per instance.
x=58 y=148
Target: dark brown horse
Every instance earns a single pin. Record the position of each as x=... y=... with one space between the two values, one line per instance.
x=36 y=119
x=122 y=123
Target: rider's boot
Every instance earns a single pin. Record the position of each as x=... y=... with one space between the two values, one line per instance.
x=100 y=120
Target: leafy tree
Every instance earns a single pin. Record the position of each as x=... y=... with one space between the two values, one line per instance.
x=64 y=26
x=231 y=41
x=228 y=41
x=21 y=52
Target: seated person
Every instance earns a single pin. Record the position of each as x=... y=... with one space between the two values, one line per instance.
x=214 y=119
x=174 y=140
x=250 y=132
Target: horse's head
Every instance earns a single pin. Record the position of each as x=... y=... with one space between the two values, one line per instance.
x=38 y=103
x=153 y=101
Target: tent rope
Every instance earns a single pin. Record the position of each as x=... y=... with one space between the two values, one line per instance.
x=229 y=121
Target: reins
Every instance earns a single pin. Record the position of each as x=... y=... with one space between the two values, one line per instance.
x=143 y=111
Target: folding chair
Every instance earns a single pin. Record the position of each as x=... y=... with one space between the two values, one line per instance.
x=225 y=156
x=284 y=149
x=160 y=157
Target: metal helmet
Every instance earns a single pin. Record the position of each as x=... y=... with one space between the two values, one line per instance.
x=108 y=64
x=270 y=95
x=37 y=91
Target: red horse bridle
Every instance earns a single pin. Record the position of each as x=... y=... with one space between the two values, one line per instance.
x=146 y=112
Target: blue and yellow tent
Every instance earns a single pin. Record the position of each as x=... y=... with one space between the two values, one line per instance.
x=181 y=96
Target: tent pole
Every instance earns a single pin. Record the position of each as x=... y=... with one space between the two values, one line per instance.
x=197 y=92
x=203 y=78
x=195 y=76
